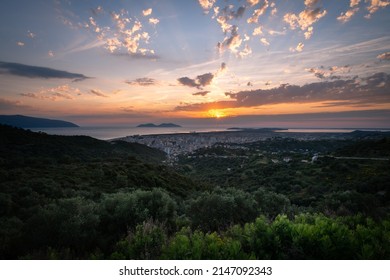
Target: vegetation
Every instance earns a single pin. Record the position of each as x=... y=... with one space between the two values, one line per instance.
x=81 y=198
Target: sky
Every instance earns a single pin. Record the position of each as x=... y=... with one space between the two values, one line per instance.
x=262 y=63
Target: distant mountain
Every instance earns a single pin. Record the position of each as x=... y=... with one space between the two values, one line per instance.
x=29 y=122
x=160 y=125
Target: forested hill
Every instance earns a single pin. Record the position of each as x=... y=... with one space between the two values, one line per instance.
x=67 y=197
x=99 y=166
x=367 y=148
x=29 y=122
x=19 y=144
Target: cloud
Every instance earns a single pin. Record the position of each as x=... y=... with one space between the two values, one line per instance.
x=232 y=43
x=305 y=19
x=274 y=11
x=55 y=93
x=309 y=32
x=365 y=91
x=31 y=35
x=98 y=10
x=354 y=3
x=185 y=81
x=372 y=7
x=31 y=95
x=129 y=34
x=147 y=12
x=276 y=33
x=142 y=82
x=6 y=104
x=240 y=12
x=258 y=31
x=29 y=71
x=116 y=31
x=228 y=19
x=147 y=56
x=384 y=56
x=258 y=12
x=298 y=48
x=112 y=44
x=201 y=93
x=206 y=5
x=252 y=2
x=98 y=93
x=375 y=5
x=264 y=42
x=199 y=82
x=205 y=79
x=345 y=17
x=311 y=3
x=227 y=14
x=222 y=69
x=330 y=72
x=245 y=52
x=154 y=21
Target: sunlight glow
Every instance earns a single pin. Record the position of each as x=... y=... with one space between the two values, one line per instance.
x=216 y=113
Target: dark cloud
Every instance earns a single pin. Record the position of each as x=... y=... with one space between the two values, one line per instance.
x=201 y=93
x=142 y=82
x=205 y=79
x=199 y=82
x=232 y=43
x=240 y=12
x=185 y=81
x=369 y=90
x=29 y=71
x=330 y=73
x=222 y=69
x=31 y=95
x=97 y=93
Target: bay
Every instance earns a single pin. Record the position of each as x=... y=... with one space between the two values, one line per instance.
x=112 y=132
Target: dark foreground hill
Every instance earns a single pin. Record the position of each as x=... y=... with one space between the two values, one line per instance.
x=30 y=122
x=23 y=144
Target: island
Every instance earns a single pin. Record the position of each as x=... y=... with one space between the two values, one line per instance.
x=31 y=122
x=159 y=125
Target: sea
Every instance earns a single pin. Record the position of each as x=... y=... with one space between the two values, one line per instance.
x=107 y=132
x=113 y=132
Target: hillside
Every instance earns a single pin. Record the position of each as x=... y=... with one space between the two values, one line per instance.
x=81 y=198
x=16 y=143
x=30 y=122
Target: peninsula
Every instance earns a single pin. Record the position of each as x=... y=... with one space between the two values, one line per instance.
x=30 y=122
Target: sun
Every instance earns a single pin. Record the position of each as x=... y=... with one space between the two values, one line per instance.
x=216 y=113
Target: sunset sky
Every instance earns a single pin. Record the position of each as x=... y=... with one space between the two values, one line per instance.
x=292 y=63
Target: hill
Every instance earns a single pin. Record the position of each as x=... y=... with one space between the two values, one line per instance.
x=30 y=122
x=160 y=125
x=20 y=143
x=78 y=197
